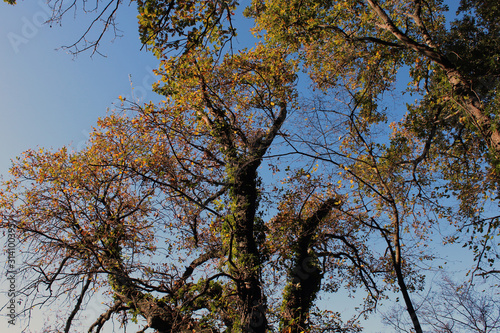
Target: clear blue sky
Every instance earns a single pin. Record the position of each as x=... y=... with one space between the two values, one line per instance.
x=49 y=98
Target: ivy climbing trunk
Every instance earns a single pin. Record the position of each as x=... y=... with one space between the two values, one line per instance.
x=305 y=275
x=245 y=257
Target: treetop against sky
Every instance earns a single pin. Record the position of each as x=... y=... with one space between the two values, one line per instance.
x=239 y=186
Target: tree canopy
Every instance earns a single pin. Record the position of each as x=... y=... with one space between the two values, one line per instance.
x=270 y=176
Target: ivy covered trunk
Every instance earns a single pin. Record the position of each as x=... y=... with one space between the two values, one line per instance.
x=244 y=253
x=305 y=275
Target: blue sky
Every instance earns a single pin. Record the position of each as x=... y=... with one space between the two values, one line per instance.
x=48 y=97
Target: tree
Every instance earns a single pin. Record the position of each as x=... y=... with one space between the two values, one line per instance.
x=168 y=212
x=367 y=43
x=203 y=161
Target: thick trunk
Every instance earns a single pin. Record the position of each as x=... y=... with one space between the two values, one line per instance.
x=304 y=282
x=246 y=230
x=305 y=275
x=245 y=254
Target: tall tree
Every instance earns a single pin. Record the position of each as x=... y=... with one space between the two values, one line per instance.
x=196 y=155
x=168 y=210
